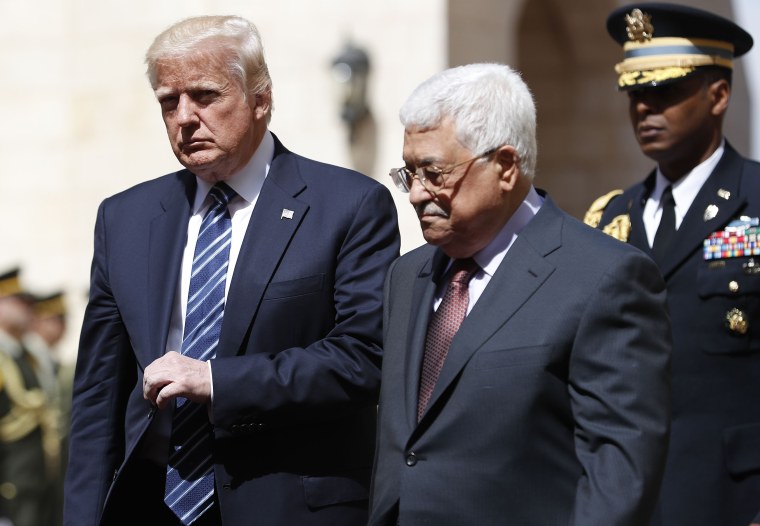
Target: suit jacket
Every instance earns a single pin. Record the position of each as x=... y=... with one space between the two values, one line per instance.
x=552 y=407
x=296 y=375
x=714 y=456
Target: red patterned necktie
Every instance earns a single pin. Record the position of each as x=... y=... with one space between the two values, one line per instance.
x=444 y=324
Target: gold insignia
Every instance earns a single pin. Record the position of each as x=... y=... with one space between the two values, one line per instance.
x=639 y=26
x=594 y=213
x=736 y=321
x=619 y=227
x=634 y=78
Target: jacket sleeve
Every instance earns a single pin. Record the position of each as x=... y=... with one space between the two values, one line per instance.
x=620 y=395
x=104 y=365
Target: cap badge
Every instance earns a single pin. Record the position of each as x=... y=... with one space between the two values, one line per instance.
x=639 y=26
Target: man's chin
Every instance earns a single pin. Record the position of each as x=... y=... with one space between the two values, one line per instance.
x=433 y=236
x=202 y=166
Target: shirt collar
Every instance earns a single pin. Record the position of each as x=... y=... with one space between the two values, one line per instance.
x=490 y=257
x=249 y=180
x=685 y=190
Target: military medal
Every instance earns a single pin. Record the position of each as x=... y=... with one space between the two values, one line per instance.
x=739 y=239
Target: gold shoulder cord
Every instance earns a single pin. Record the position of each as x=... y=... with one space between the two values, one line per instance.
x=26 y=404
x=28 y=411
x=619 y=227
x=594 y=213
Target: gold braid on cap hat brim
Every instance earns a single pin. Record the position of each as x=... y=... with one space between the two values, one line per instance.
x=643 y=64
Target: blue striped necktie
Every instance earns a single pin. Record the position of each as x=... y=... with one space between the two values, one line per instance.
x=190 y=473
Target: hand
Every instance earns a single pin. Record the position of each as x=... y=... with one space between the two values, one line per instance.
x=175 y=375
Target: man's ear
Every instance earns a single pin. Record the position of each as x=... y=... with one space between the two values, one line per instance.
x=720 y=95
x=508 y=162
x=262 y=102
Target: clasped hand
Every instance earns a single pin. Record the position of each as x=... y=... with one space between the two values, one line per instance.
x=175 y=375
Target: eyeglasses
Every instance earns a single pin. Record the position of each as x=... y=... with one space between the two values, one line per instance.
x=431 y=177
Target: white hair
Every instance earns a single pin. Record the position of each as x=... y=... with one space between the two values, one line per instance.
x=233 y=34
x=489 y=104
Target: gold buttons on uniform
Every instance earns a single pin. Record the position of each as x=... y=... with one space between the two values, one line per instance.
x=8 y=490
x=737 y=322
x=733 y=286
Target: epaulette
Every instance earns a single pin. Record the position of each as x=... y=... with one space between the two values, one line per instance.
x=594 y=213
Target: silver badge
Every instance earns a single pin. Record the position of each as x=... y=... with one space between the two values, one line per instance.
x=710 y=212
x=724 y=194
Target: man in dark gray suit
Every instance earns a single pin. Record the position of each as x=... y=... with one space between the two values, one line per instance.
x=549 y=404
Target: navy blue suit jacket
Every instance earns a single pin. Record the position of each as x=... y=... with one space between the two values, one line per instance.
x=296 y=375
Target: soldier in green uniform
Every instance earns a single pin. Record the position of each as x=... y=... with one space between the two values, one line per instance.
x=697 y=214
x=24 y=418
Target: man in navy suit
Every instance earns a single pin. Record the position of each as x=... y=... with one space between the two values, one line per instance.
x=698 y=215
x=287 y=401
x=551 y=403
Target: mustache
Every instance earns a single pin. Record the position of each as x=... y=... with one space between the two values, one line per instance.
x=430 y=209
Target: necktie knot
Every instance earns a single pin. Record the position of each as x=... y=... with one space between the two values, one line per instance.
x=462 y=270
x=222 y=193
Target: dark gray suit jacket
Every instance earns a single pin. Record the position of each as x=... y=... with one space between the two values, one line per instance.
x=553 y=405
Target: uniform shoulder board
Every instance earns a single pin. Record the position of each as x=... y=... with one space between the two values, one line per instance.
x=594 y=213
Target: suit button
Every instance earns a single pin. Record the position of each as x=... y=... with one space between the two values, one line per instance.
x=411 y=459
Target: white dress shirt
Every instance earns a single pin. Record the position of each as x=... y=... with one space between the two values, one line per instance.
x=247 y=183
x=490 y=257
x=685 y=190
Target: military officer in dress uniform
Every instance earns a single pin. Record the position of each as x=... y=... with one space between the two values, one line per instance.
x=46 y=330
x=697 y=215
x=25 y=423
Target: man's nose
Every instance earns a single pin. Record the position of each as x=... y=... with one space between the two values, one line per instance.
x=418 y=193
x=186 y=111
x=643 y=102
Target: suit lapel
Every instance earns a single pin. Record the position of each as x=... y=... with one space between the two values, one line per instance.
x=523 y=270
x=638 y=237
x=168 y=235
x=709 y=212
x=427 y=282
x=264 y=245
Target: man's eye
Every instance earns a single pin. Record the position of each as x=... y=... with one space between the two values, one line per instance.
x=205 y=96
x=431 y=173
x=168 y=103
